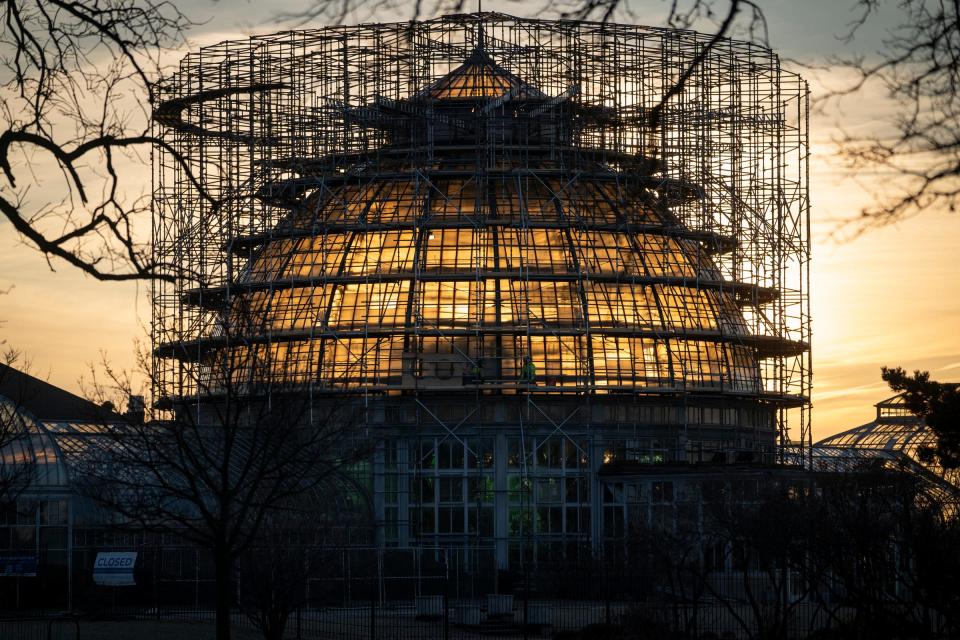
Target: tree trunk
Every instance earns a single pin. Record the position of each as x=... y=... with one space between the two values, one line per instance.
x=223 y=570
x=277 y=627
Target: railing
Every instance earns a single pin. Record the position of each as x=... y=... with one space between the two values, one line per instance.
x=437 y=617
x=40 y=628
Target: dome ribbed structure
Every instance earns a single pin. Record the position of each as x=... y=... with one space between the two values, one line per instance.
x=434 y=271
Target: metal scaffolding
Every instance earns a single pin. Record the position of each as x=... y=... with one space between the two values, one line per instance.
x=476 y=209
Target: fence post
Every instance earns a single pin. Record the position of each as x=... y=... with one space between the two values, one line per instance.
x=446 y=596
x=606 y=595
x=156 y=578
x=373 y=612
x=196 y=580
x=305 y=595
x=526 y=599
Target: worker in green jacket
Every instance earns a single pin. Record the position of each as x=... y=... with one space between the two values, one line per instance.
x=528 y=373
x=476 y=373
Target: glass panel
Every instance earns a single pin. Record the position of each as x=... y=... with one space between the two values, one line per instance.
x=456 y=250
x=386 y=252
x=345 y=362
x=665 y=256
x=449 y=304
x=316 y=256
x=269 y=263
x=626 y=361
x=455 y=200
x=698 y=362
x=585 y=202
x=606 y=252
x=358 y=361
x=534 y=250
x=283 y=309
x=547 y=303
x=379 y=304
x=398 y=202
x=537 y=200
x=613 y=304
x=343 y=204
x=687 y=308
x=744 y=372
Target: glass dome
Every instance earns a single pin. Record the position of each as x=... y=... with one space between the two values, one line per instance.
x=497 y=264
x=896 y=436
x=466 y=232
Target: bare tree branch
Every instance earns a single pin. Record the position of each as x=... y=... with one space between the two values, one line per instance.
x=76 y=81
x=919 y=69
x=656 y=112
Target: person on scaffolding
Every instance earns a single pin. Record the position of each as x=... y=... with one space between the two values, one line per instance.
x=472 y=373
x=528 y=373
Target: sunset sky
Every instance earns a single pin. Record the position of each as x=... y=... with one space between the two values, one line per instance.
x=890 y=296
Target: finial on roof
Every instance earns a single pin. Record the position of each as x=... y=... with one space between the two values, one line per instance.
x=479 y=52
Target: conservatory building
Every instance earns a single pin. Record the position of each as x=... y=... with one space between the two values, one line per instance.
x=499 y=243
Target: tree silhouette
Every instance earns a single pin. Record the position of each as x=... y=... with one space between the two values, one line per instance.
x=938 y=404
x=76 y=99
x=215 y=467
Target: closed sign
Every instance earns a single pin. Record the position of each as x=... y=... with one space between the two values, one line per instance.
x=115 y=568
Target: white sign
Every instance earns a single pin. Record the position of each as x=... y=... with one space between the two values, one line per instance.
x=115 y=568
